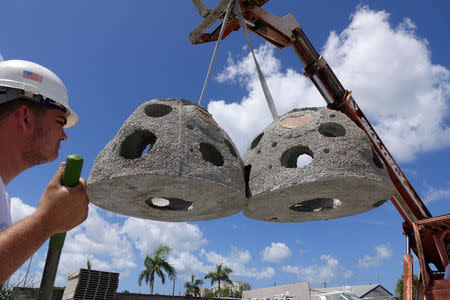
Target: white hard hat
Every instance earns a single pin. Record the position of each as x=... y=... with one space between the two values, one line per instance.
x=25 y=79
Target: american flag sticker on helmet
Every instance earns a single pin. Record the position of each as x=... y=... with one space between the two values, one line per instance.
x=32 y=76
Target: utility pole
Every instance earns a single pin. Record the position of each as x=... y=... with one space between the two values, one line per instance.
x=28 y=270
x=173 y=288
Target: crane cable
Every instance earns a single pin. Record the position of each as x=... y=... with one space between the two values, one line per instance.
x=222 y=29
x=262 y=80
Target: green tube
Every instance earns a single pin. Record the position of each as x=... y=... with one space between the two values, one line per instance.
x=71 y=177
x=72 y=171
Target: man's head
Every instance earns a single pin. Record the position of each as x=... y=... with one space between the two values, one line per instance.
x=34 y=105
x=38 y=128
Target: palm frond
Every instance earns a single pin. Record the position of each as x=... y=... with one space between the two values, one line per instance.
x=157 y=264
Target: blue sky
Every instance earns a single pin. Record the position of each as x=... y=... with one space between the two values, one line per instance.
x=115 y=55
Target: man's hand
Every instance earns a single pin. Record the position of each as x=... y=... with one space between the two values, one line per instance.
x=62 y=208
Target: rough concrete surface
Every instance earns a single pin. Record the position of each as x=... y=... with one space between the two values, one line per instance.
x=345 y=177
x=192 y=170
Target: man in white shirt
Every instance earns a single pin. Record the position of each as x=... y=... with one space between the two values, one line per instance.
x=34 y=111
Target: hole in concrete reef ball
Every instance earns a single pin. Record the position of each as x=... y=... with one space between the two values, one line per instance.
x=164 y=203
x=379 y=203
x=274 y=144
x=134 y=145
x=256 y=141
x=326 y=150
x=190 y=126
x=332 y=115
x=247 y=170
x=298 y=156
x=376 y=159
x=316 y=205
x=332 y=129
x=157 y=110
x=231 y=148
x=211 y=154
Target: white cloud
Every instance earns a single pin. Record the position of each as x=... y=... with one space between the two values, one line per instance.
x=96 y=240
x=20 y=210
x=266 y=273
x=183 y=238
x=186 y=263
x=24 y=276
x=382 y=252
x=147 y=235
x=236 y=256
x=389 y=69
x=276 y=252
x=433 y=194
x=244 y=120
x=394 y=81
x=1 y=57
x=330 y=271
x=111 y=247
x=100 y=242
x=237 y=260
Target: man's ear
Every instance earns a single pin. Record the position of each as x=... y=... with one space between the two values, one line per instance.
x=25 y=118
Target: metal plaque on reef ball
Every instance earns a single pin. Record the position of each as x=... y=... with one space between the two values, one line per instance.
x=296 y=120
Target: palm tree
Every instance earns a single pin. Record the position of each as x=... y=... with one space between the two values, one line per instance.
x=221 y=274
x=157 y=264
x=193 y=287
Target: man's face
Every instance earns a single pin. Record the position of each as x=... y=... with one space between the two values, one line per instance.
x=46 y=137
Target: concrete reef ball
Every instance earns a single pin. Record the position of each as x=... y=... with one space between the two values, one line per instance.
x=170 y=161
x=313 y=164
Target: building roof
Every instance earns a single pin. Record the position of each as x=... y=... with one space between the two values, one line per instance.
x=301 y=291
x=358 y=290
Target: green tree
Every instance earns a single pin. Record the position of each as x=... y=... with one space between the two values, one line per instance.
x=157 y=264
x=399 y=287
x=88 y=264
x=237 y=294
x=193 y=287
x=226 y=292
x=5 y=294
x=211 y=295
x=220 y=274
